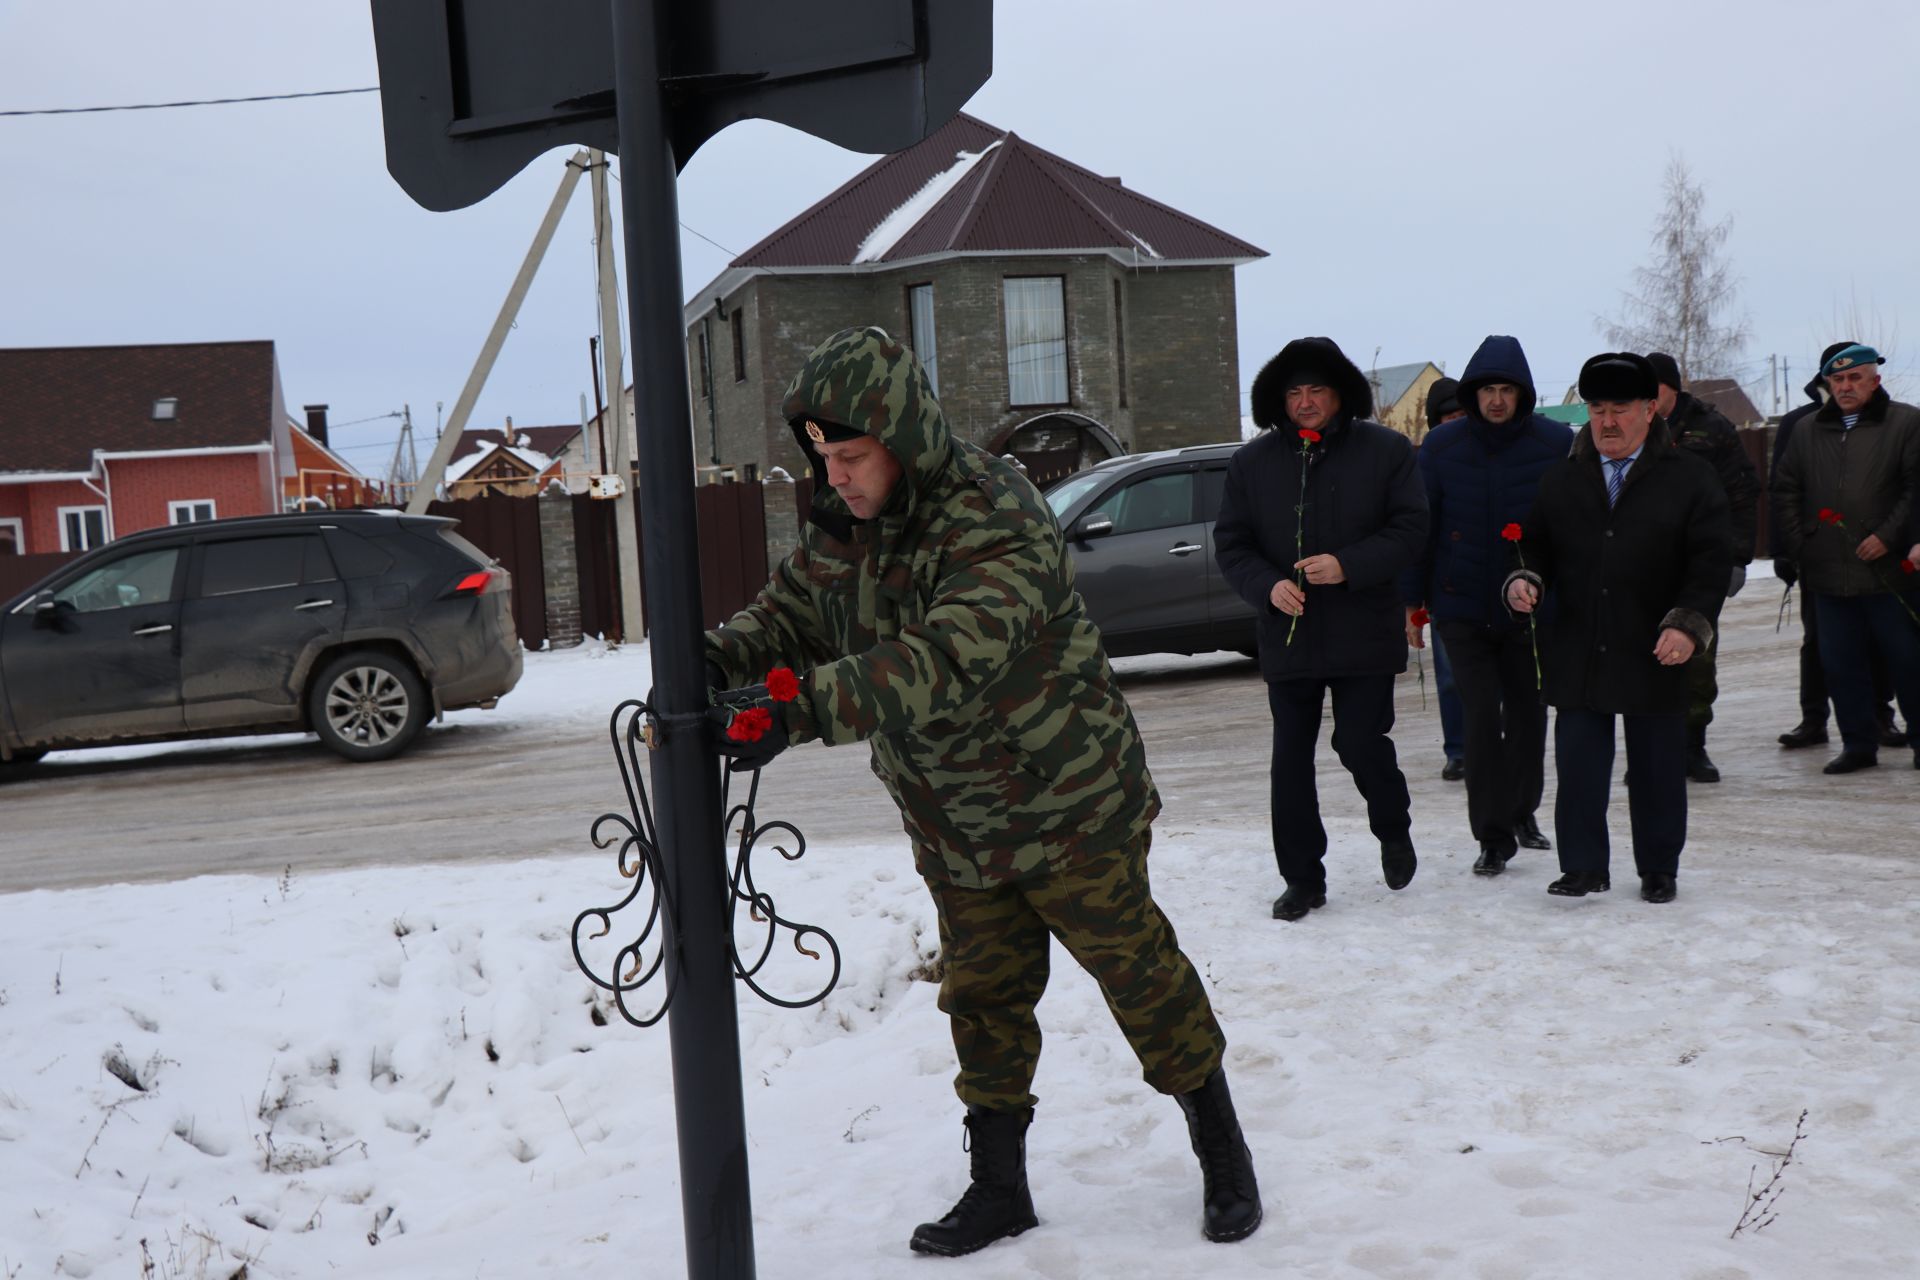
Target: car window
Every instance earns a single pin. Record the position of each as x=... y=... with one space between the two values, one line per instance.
x=1156 y=502
x=146 y=577
x=1069 y=491
x=258 y=564
x=1213 y=487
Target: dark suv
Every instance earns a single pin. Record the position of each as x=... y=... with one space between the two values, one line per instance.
x=356 y=625
x=1141 y=532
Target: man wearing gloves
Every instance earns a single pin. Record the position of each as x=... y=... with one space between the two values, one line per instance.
x=1319 y=518
x=1628 y=538
x=1481 y=473
x=930 y=612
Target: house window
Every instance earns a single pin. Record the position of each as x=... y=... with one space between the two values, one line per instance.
x=1036 y=340
x=1120 y=338
x=739 y=346
x=166 y=409
x=13 y=537
x=190 y=512
x=920 y=332
x=82 y=528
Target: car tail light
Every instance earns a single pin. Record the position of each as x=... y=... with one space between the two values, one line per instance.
x=474 y=583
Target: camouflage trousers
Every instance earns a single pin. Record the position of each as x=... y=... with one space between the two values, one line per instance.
x=1703 y=685
x=995 y=947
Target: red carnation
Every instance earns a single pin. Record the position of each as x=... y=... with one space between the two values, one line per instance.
x=1309 y=435
x=1419 y=618
x=781 y=684
x=1511 y=533
x=750 y=725
x=1906 y=566
x=1829 y=516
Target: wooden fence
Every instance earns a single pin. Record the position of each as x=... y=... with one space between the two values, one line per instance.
x=17 y=573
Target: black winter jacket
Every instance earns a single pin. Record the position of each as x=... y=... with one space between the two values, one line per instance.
x=1704 y=431
x=1619 y=576
x=1363 y=503
x=1868 y=475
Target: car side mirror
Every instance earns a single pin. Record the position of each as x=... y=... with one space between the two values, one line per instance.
x=1095 y=524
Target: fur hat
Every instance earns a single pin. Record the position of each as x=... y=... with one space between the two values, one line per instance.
x=1618 y=375
x=1319 y=359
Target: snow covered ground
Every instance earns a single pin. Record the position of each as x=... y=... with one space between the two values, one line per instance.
x=400 y=1073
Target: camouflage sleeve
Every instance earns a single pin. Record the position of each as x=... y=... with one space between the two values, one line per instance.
x=1003 y=578
x=781 y=628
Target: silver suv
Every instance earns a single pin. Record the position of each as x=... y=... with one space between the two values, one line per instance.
x=1141 y=532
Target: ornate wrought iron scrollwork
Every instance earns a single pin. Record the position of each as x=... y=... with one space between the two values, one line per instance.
x=638 y=857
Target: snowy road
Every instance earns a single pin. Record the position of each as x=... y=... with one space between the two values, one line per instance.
x=525 y=780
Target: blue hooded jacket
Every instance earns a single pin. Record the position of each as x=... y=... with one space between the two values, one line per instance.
x=1479 y=478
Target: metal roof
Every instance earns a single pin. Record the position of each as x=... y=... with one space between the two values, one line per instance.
x=1392 y=382
x=986 y=190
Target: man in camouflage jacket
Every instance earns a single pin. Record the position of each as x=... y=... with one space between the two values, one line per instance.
x=930 y=611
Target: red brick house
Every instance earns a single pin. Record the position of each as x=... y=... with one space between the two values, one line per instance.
x=319 y=477
x=96 y=442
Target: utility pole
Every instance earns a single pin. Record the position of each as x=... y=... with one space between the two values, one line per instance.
x=496 y=338
x=1773 y=381
x=626 y=528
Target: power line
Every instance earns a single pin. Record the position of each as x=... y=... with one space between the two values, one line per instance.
x=689 y=230
x=198 y=102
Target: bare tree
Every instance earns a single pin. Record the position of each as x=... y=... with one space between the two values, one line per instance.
x=1682 y=301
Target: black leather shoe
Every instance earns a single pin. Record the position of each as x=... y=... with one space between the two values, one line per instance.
x=1527 y=832
x=1851 y=762
x=1397 y=863
x=1295 y=903
x=1804 y=734
x=1456 y=770
x=1892 y=737
x=1657 y=888
x=1578 y=884
x=1700 y=768
x=1493 y=859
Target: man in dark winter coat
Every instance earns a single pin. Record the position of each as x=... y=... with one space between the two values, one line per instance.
x=1628 y=540
x=1443 y=405
x=930 y=612
x=1319 y=517
x=1812 y=729
x=1481 y=473
x=1846 y=488
x=1704 y=431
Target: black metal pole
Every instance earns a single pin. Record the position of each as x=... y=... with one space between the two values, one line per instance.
x=709 y=1113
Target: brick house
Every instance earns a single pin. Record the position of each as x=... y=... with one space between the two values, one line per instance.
x=320 y=477
x=96 y=442
x=1063 y=317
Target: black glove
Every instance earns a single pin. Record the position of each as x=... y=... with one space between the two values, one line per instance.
x=751 y=729
x=1786 y=570
x=1736 y=580
x=716 y=681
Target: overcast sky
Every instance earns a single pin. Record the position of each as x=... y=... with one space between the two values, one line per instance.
x=1422 y=175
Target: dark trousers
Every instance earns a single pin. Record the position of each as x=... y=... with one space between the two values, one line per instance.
x=1656 y=788
x=1813 y=676
x=1453 y=715
x=1506 y=726
x=1362 y=719
x=1853 y=630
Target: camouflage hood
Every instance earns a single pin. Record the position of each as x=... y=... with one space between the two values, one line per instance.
x=864 y=379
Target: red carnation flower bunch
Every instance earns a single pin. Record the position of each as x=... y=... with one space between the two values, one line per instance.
x=1827 y=515
x=1513 y=533
x=752 y=723
x=1308 y=438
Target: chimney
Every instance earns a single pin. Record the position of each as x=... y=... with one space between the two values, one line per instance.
x=316 y=421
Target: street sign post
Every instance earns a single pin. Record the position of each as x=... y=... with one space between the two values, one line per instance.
x=471 y=91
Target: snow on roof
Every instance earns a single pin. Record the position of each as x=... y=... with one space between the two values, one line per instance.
x=459 y=469
x=888 y=231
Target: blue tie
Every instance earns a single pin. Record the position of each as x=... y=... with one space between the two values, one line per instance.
x=1616 y=467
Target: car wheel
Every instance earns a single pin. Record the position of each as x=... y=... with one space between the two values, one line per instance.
x=367 y=706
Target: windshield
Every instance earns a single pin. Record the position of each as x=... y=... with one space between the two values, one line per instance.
x=1070 y=491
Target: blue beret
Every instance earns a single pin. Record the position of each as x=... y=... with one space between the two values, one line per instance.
x=1857 y=354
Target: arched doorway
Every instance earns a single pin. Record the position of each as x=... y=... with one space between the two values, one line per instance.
x=1055 y=445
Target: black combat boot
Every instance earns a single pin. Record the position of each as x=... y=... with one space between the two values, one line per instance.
x=1699 y=767
x=1228 y=1188
x=997 y=1204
